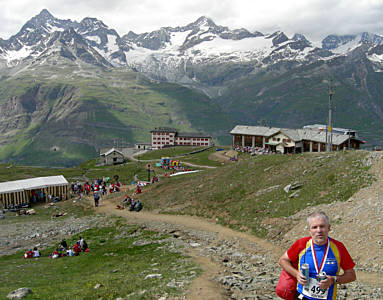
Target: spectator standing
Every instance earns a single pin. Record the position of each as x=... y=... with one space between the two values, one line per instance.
x=96 y=198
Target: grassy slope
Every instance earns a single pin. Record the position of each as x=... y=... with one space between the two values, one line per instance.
x=87 y=170
x=113 y=261
x=248 y=194
x=110 y=105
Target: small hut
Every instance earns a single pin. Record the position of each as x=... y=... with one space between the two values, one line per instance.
x=112 y=157
x=33 y=189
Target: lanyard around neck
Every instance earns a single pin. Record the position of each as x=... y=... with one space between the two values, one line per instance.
x=320 y=268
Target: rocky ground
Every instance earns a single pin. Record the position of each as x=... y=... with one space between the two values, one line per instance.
x=25 y=235
x=238 y=265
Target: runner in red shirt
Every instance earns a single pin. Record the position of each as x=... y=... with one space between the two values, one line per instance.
x=323 y=255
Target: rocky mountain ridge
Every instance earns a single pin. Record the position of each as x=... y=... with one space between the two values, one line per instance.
x=197 y=42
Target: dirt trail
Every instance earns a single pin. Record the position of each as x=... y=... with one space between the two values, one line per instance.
x=204 y=287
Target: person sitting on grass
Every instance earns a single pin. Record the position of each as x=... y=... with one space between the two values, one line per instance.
x=111 y=188
x=138 y=205
x=28 y=254
x=132 y=205
x=63 y=245
x=77 y=249
x=84 y=247
x=70 y=252
x=55 y=254
x=36 y=253
x=127 y=201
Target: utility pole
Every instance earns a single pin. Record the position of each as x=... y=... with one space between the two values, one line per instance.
x=329 y=124
x=148 y=170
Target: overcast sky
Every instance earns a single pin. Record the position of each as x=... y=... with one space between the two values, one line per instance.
x=314 y=18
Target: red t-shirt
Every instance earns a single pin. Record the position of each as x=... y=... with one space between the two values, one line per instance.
x=346 y=261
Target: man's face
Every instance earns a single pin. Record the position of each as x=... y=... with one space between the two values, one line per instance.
x=319 y=230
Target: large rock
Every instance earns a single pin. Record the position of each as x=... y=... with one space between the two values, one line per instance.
x=19 y=293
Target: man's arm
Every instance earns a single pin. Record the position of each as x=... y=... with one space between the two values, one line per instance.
x=347 y=276
x=286 y=264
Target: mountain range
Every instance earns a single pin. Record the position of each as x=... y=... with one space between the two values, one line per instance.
x=69 y=88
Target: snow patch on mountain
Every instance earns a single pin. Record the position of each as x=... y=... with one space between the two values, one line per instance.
x=112 y=43
x=376 y=58
x=248 y=47
x=138 y=55
x=178 y=38
x=16 y=55
x=52 y=28
x=94 y=38
x=347 y=47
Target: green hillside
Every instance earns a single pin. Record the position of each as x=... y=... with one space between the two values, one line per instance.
x=63 y=119
x=249 y=195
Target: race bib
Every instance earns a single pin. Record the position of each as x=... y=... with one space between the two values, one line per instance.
x=314 y=291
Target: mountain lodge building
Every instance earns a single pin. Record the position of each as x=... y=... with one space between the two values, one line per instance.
x=286 y=140
x=163 y=136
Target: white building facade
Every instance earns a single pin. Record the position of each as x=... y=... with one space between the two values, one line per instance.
x=162 y=137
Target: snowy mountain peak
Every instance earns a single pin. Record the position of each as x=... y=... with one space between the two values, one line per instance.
x=43 y=16
x=172 y=50
x=203 y=22
x=91 y=24
x=334 y=41
x=342 y=44
x=367 y=37
x=278 y=37
x=299 y=37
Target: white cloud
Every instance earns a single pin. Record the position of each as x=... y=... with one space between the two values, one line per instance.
x=314 y=18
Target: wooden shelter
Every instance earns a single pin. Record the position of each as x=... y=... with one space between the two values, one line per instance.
x=22 y=191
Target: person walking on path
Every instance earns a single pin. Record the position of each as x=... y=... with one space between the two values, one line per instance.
x=324 y=256
x=96 y=198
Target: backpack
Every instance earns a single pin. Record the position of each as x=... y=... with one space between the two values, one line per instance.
x=96 y=196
